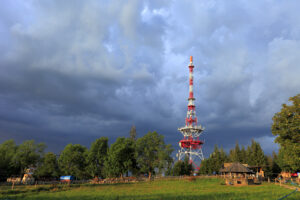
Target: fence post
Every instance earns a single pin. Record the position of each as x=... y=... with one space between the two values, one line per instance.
x=13 y=185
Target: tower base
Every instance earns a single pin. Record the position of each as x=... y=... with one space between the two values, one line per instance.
x=195 y=156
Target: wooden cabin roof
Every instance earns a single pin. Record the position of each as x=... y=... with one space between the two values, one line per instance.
x=237 y=168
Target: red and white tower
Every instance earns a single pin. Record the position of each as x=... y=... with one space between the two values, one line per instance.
x=190 y=145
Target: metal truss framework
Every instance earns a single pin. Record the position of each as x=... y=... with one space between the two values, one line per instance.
x=190 y=145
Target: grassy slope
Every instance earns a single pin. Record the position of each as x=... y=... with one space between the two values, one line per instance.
x=172 y=189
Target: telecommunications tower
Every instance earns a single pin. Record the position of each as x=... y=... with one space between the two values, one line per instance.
x=190 y=145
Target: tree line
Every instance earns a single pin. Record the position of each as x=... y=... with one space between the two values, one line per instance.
x=146 y=155
x=286 y=128
x=253 y=155
x=151 y=155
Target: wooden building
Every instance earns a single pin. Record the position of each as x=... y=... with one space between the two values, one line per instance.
x=237 y=174
x=235 y=170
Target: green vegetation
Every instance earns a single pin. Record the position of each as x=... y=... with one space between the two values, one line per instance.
x=181 y=168
x=15 y=159
x=286 y=126
x=132 y=133
x=205 y=188
x=97 y=156
x=121 y=158
x=254 y=156
x=49 y=167
x=152 y=153
x=72 y=160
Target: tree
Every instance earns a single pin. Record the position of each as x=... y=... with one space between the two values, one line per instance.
x=97 y=156
x=152 y=152
x=249 y=155
x=72 y=160
x=7 y=152
x=268 y=168
x=256 y=154
x=132 y=133
x=286 y=126
x=28 y=154
x=215 y=161
x=183 y=167
x=223 y=156
x=49 y=167
x=121 y=157
x=243 y=155
x=274 y=166
x=166 y=161
x=205 y=167
x=235 y=154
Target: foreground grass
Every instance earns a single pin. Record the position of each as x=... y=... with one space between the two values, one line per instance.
x=162 y=189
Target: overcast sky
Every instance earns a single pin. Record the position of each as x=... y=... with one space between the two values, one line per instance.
x=74 y=71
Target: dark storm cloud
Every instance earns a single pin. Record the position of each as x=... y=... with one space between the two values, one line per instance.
x=74 y=71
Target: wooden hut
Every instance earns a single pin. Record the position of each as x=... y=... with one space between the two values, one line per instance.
x=237 y=174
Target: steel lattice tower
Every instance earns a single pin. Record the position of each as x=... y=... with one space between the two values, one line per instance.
x=190 y=145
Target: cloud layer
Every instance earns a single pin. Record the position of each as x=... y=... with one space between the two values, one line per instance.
x=73 y=71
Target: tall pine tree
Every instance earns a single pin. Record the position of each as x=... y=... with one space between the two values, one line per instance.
x=132 y=133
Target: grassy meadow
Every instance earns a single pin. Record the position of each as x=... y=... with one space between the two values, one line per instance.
x=205 y=188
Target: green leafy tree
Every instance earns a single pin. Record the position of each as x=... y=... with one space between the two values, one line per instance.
x=206 y=167
x=166 y=161
x=132 y=133
x=72 y=160
x=7 y=152
x=286 y=126
x=121 y=157
x=183 y=167
x=178 y=168
x=28 y=154
x=215 y=161
x=97 y=156
x=152 y=153
x=49 y=167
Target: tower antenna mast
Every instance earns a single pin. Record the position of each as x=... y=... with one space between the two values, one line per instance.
x=190 y=145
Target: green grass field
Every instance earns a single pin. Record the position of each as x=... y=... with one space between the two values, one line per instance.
x=161 y=189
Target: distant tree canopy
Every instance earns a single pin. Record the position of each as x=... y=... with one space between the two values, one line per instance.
x=214 y=162
x=183 y=168
x=152 y=153
x=121 y=157
x=15 y=159
x=72 y=160
x=286 y=126
x=97 y=155
x=8 y=151
x=253 y=156
x=148 y=154
x=28 y=154
x=48 y=167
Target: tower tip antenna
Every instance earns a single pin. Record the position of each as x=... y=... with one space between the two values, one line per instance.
x=191 y=59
